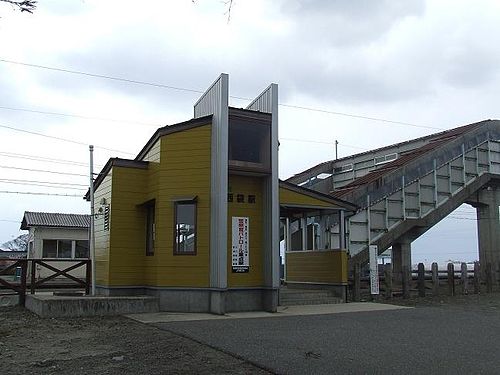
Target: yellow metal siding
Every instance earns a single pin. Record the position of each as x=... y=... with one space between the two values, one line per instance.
x=184 y=171
x=246 y=186
x=102 y=237
x=329 y=266
x=127 y=226
x=293 y=198
x=179 y=165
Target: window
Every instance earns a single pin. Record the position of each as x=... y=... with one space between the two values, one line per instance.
x=49 y=249
x=185 y=227
x=150 y=229
x=82 y=249
x=67 y=249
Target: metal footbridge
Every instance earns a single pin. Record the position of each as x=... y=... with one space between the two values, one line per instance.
x=404 y=189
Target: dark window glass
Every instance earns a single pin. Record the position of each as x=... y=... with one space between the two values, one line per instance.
x=150 y=229
x=64 y=248
x=82 y=249
x=185 y=228
x=49 y=249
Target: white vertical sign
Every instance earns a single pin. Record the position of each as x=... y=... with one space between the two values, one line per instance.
x=240 y=244
x=374 y=281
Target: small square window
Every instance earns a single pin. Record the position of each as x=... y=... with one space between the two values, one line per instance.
x=240 y=198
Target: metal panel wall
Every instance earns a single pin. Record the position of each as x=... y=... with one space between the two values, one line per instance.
x=267 y=102
x=215 y=102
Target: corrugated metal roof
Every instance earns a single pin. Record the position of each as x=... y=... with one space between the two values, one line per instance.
x=48 y=219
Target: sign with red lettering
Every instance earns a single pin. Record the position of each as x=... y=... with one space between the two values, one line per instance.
x=240 y=245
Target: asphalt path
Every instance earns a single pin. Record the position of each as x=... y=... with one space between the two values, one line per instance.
x=423 y=340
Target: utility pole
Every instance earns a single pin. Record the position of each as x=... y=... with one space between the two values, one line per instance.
x=91 y=229
x=336 y=149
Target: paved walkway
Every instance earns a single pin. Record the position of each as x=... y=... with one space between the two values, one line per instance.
x=285 y=311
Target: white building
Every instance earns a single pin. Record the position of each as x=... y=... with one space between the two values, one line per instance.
x=57 y=236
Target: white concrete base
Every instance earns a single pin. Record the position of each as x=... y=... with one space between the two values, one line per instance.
x=283 y=311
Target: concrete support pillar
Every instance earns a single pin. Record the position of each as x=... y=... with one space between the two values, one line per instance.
x=401 y=256
x=488 y=227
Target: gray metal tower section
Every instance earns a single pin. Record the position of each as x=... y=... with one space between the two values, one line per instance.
x=267 y=102
x=215 y=102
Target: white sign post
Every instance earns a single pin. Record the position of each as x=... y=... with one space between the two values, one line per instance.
x=374 y=281
x=240 y=245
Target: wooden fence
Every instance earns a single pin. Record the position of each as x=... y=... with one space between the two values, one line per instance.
x=426 y=282
x=59 y=279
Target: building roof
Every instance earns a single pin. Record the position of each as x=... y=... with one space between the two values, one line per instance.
x=54 y=220
x=440 y=136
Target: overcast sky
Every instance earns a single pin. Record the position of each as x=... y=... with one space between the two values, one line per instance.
x=433 y=64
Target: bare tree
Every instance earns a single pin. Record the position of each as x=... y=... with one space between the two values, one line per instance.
x=23 y=5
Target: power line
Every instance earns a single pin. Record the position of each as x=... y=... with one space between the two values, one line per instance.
x=36 y=193
x=11 y=221
x=44 y=159
x=84 y=117
x=41 y=185
x=61 y=139
x=102 y=76
x=42 y=182
x=43 y=171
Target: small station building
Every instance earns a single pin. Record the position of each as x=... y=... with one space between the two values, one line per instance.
x=199 y=217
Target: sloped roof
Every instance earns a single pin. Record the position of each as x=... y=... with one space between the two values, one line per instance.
x=48 y=219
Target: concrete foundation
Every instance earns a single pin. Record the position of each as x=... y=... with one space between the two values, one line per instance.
x=9 y=300
x=337 y=290
x=488 y=226
x=215 y=301
x=401 y=256
x=49 y=306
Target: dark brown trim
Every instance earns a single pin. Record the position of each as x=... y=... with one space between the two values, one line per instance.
x=248 y=114
x=150 y=244
x=169 y=129
x=115 y=162
x=315 y=194
x=175 y=251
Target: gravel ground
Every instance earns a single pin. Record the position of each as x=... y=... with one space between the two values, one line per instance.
x=110 y=345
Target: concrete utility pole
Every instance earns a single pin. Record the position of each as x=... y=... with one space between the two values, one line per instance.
x=336 y=149
x=91 y=229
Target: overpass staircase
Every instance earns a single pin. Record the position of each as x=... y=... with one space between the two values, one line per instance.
x=403 y=201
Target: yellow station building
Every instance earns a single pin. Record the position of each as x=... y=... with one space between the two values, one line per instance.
x=199 y=216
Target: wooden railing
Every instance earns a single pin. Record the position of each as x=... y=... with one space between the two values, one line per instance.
x=23 y=281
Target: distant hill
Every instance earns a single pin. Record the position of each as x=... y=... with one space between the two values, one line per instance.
x=17 y=244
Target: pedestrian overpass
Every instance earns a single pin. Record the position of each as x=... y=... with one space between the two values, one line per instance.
x=404 y=189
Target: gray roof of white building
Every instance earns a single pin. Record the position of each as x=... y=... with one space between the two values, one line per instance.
x=54 y=220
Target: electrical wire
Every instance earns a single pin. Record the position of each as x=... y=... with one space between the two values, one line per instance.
x=62 y=139
x=44 y=159
x=43 y=171
x=171 y=87
x=41 y=185
x=38 y=193
x=42 y=182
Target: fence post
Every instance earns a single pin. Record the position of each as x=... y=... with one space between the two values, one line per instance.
x=465 y=278
x=356 y=291
x=32 y=281
x=488 y=275
x=88 y=276
x=435 y=279
x=388 y=280
x=451 y=279
x=406 y=282
x=24 y=271
x=477 y=278
x=421 y=280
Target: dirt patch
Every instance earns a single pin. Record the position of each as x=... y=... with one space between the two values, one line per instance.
x=103 y=345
